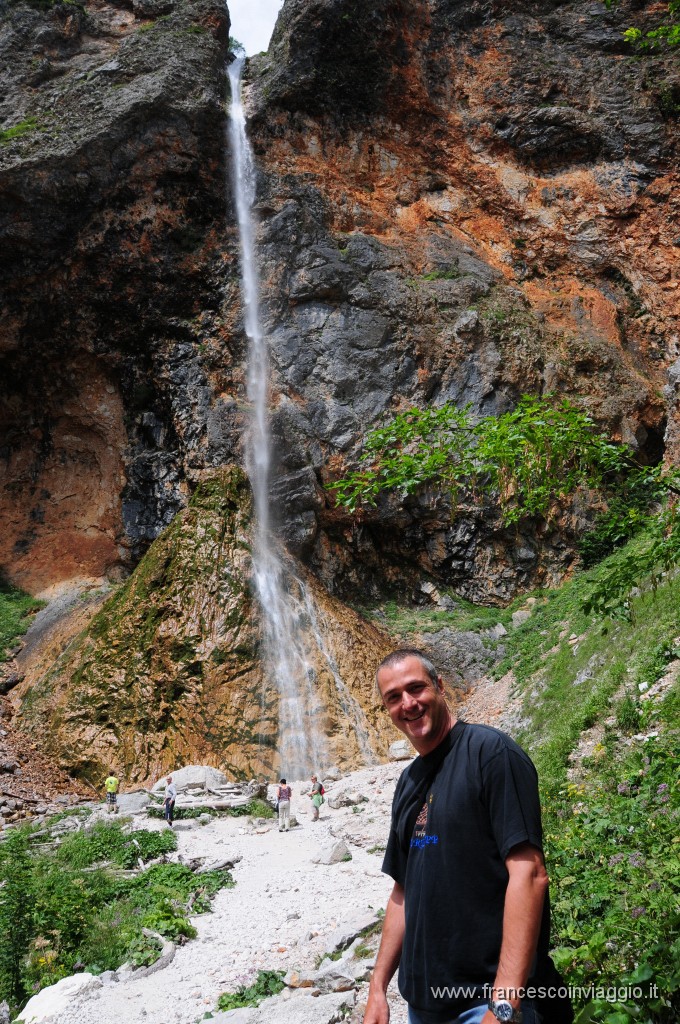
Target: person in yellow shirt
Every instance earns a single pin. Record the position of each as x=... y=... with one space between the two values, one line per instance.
x=112 y=785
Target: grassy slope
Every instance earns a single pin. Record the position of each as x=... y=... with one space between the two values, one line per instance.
x=612 y=824
x=16 y=609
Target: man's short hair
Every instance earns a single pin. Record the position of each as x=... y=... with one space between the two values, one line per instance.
x=396 y=658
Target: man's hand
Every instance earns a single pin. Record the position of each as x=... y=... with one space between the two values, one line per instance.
x=377 y=1009
x=524 y=899
x=387 y=961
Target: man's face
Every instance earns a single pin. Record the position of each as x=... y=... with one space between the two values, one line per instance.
x=416 y=706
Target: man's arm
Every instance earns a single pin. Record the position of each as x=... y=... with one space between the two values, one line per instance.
x=389 y=955
x=523 y=909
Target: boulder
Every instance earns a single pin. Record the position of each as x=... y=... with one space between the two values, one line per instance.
x=47 y=1006
x=348 y=931
x=244 y=1015
x=301 y=1007
x=335 y=976
x=497 y=631
x=199 y=775
x=400 y=750
x=131 y=803
x=333 y=853
x=520 y=617
x=346 y=798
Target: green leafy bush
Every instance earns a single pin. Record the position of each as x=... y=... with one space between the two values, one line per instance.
x=627 y=513
x=612 y=847
x=528 y=458
x=168 y=918
x=267 y=983
x=144 y=950
x=526 y=462
x=58 y=914
x=107 y=841
x=667 y=34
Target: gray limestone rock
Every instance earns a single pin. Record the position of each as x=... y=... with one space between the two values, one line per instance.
x=131 y=803
x=346 y=798
x=521 y=616
x=400 y=750
x=333 y=853
x=202 y=777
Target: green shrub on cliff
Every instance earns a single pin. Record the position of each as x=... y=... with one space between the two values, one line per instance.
x=528 y=458
x=526 y=462
x=30 y=124
x=667 y=34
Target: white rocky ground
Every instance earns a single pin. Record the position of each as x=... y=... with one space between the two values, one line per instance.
x=284 y=912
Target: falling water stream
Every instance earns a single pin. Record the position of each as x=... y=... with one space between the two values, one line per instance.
x=290 y=621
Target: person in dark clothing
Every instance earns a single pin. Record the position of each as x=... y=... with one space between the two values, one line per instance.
x=468 y=919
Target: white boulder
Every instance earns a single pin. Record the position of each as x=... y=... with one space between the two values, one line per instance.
x=333 y=853
x=130 y=803
x=198 y=775
x=49 y=1004
x=400 y=750
x=346 y=798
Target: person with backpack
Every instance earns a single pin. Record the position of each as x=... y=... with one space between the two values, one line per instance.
x=283 y=796
x=316 y=794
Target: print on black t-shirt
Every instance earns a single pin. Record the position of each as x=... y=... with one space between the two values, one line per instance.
x=420 y=838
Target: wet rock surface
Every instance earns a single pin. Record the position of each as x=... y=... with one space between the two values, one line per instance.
x=455 y=202
x=167 y=669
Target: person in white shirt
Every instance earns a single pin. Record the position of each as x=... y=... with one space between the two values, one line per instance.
x=169 y=800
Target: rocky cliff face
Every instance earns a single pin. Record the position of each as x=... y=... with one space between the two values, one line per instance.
x=112 y=230
x=461 y=201
x=456 y=201
x=168 y=670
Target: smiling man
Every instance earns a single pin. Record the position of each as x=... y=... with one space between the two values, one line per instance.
x=468 y=920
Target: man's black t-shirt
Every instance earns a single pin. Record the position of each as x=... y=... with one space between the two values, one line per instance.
x=457 y=813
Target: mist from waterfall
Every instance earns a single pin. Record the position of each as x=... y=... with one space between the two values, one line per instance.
x=283 y=599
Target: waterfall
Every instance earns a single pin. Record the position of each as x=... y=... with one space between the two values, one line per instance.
x=282 y=596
